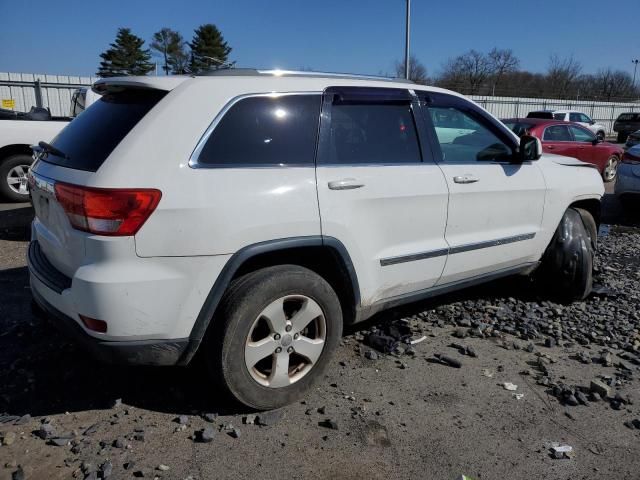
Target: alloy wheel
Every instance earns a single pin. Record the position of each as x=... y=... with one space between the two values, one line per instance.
x=285 y=341
x=17 y=179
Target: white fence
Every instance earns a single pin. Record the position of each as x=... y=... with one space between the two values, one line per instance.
x=513 y=107
x=54 y=92
x=21 y=91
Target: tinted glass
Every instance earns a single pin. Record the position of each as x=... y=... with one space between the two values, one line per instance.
x=574 y=117
x=540 y=114
x=584 y=118
x=372 y=133
x=464 y=138
x=557 y=133
x=559 y=116
x=582 y=135
x=89 y=139
x=265 y=131
x=629 y=116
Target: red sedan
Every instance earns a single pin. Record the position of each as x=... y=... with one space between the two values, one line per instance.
x=571 y=140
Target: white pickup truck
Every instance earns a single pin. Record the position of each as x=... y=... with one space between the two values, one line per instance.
x=20 y=130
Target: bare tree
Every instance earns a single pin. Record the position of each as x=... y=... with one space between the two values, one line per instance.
x=562 y=75
x=502 y=62
x=467 y=72
x=417 y=71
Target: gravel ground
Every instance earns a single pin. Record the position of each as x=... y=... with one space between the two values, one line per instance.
x=406 y=414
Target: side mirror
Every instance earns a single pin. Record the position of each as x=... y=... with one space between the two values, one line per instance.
x=592 y=122
x=596 y=140
x=530 y=148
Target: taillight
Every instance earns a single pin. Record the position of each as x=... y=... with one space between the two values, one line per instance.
x=107 y=211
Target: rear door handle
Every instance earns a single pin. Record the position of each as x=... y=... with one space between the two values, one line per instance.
x=465 y=179
x=345 y=184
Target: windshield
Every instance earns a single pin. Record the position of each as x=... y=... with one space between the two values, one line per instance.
x=519 y=128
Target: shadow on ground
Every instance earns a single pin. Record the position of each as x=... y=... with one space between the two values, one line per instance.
x=42 y=373
x=15 y=223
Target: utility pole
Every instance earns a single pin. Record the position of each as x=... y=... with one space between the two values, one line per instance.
x=406 y=43
x=635 y=67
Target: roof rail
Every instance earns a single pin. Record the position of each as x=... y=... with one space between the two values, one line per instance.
x=252 y=72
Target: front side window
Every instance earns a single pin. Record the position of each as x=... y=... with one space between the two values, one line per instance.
x=372 y=131
x=265 y=130
x=575 y=117
x=582 y=135
x=557 y=133
x=584 y=118
x=463 y=137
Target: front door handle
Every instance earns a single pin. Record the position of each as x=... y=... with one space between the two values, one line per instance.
x=345 y=184
x=465 y=179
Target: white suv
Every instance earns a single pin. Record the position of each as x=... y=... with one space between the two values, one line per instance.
x=248 y=215
x=578 y=117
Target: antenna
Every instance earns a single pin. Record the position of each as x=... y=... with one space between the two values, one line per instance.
x=221 y=63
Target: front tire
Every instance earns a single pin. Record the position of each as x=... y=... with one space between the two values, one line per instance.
x=13 y=177
x=567 y=265
x=273 y=335
x=601 y=136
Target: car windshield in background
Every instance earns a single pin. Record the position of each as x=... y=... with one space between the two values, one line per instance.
x=90 y=138
x=519 y=128
x=541 y=114
x=629 y=117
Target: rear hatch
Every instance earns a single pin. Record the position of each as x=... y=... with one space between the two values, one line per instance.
x=78 y=152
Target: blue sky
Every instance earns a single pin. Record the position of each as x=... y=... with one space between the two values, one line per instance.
x=363 y=36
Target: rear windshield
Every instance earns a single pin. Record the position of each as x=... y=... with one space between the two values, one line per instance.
x=629 y=117
x=89 y=139
x=541 y=114
x=519 y=128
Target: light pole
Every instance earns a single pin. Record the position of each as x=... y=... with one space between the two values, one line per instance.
x=406 y=42
x=635 y=67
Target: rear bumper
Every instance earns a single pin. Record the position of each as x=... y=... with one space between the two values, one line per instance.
x=53 y=295
x=628 y=179
x=142 y=352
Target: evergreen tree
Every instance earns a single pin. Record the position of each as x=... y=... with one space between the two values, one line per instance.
x=125 y=56
x=208 y=49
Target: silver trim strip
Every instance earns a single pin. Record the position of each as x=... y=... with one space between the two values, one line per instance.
x=491 y=243
x=414 y=257
x=193 y=160
x=384 y=262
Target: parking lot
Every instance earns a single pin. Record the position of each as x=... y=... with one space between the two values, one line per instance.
x=403 y=415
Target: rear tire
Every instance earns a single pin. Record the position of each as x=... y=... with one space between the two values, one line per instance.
x=273 y=335
x=13 y=171
x=567 y=265
x=622 y=137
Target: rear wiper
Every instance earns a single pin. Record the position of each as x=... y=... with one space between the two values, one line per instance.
x=44 y=147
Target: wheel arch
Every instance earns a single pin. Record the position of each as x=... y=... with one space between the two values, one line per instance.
x=326 y=256
x=591 y=205
x=14 y=149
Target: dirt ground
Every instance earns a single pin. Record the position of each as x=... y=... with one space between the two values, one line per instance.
x=408 y=417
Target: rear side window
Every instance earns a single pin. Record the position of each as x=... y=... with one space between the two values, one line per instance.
x=369 y=132
x=265 y=130
x=89 y=139
x=629 y=117
x=557 y=133
x=559 y=116
x=582 y=135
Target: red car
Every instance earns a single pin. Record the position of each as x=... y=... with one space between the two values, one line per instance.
x=571 y=140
